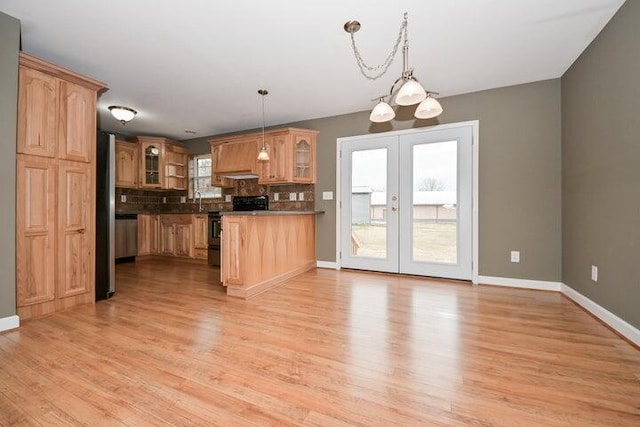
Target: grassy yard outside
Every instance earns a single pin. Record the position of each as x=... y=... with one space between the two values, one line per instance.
x=432 y=241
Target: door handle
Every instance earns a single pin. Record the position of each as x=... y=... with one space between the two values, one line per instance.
x=393 y=208
x=394 y=198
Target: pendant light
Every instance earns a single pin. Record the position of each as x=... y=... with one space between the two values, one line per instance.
x=263 y=155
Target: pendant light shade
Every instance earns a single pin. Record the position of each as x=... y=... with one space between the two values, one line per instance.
x=263 y=155
x=410 y=93
x=428 y=108
x=382 y=112
x=123 y=114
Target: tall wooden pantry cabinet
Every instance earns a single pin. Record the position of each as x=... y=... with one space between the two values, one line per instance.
x=55 y=234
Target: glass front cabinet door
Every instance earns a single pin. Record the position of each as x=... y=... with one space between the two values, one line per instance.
x=304 y=162
x=152 y=161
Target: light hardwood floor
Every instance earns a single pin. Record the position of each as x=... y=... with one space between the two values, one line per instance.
x=327 y=349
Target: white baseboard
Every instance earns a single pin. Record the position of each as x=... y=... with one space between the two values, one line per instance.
x=11 y=322
x=327 y=264
x=613 y=321
x=540 y=285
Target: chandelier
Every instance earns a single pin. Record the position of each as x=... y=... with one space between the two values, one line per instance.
x=407 y=89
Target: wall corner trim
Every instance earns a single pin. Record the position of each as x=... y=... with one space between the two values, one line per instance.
x=7 y=323
x=614 y=322
x=327 y=264
x=540 y=285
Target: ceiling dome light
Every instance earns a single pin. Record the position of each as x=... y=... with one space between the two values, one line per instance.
x=382 y=112
x=428 y=108
x=123 y=114
x=410 y=93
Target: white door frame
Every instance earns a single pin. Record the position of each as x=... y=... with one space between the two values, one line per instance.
x=475 y=124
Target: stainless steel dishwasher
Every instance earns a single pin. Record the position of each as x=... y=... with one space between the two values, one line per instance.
x=126 y=237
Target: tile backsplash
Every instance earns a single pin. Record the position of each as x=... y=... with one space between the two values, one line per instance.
x=169 y=201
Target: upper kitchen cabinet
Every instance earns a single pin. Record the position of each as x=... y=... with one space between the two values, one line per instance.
x=126 y=164
x=55 y=203
x=77 y=123
x=176 y=164
x=151 y=162
x=163 y=164
x=292 y=156
x=38 y=113
x=304 y=156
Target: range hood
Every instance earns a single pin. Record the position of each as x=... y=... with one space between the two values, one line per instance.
x=246 y=175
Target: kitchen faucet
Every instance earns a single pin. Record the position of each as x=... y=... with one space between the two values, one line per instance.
x=198 y=195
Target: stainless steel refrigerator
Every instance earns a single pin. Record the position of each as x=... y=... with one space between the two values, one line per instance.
x=105 y=215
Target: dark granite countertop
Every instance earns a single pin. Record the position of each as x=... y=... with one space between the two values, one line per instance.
x=272 y=213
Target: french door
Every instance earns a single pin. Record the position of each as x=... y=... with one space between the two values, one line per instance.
x=406 y=202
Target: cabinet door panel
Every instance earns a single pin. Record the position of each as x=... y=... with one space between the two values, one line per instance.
x=75 y=228
x=35 y=230
x=182 y=240
x=37 y=113
x=126 y=164
x=200 y=233
x=167 y=241
x=77 y=125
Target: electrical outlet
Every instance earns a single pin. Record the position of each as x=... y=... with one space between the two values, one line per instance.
x=123 y=198
x=300 y=196
x=183 y=199
x=227 y=198
x=164 y=200
x=594 y=273
x=327 y=195
x=276 y=197
x=292 y=196
x=515 y=256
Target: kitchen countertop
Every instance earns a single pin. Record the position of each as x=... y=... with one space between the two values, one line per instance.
x=272 y=213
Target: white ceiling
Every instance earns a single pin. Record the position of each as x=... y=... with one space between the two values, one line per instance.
x=197 y=64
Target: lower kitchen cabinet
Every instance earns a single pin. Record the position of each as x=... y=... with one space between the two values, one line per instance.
x=175 y=235
x=200 y=236
x=181 y=235
x=148 y=230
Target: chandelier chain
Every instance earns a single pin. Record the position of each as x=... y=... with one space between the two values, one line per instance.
x=373 y=73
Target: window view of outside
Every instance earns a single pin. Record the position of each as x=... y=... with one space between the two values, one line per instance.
x=200 y=177
x=368 y=177
x=435 y=171
x=434 y=219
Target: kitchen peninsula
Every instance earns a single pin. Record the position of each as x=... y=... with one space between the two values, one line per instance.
x=263 y=249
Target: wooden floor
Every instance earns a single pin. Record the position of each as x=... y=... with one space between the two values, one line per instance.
x=327 y=349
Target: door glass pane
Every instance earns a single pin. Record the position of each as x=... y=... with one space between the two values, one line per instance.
x=369 y=203
x=435 y=201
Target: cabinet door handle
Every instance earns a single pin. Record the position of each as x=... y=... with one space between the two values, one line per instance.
x=81 y=231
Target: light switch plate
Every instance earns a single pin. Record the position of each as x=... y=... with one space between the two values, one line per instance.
x=327 y=195
x=515 y=256
x=292 y=196
x=276 y=197
x=164 y=200
x=227 y=198
x=300 y=196
x=123 y=198
x=183 y=199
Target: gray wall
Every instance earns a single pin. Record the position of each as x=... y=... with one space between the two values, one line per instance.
x=601 y=167
x=519 y=173
x=9 y=46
